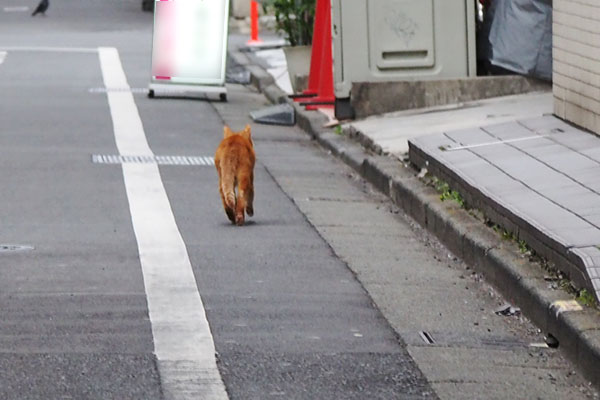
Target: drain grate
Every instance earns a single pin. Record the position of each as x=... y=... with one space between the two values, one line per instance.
x=160 y=160
x=6 y=248
x=427 y=338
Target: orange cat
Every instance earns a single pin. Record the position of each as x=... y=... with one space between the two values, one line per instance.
x=234 y=160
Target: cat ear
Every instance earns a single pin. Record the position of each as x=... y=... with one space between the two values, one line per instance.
x=246 y=132
x=226 y=132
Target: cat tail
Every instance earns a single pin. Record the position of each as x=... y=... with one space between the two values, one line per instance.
x=228 y=189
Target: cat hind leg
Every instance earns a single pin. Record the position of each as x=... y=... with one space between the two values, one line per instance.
x=249 y=195
x=242 y=204
x=239 y=209
x=229 y=201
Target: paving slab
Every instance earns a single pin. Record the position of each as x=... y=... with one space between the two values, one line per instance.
x=392 y=131
x=530 y=170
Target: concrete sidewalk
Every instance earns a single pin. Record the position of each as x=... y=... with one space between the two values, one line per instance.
x=390 y=133
x=528 y=171
x=540 y=186
x=535 y=177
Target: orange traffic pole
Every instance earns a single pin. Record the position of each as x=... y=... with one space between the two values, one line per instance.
x=254 y=23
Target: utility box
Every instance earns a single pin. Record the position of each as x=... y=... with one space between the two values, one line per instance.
x=395 y=40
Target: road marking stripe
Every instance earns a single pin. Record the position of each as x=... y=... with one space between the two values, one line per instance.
x=51 y=49
x=103 y=90
x=16 y=9
x=183 y=343
x=2 y=56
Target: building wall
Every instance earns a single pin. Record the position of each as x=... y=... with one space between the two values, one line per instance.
x=576 y=66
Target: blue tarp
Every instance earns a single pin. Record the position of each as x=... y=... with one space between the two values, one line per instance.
x=518 y=36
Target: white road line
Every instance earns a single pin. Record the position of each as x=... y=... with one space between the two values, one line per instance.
x=16 y=9
x=2 y=56
x=183 y=343
x=51 y=49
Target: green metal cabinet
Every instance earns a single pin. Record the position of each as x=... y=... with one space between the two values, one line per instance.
x=392 y=40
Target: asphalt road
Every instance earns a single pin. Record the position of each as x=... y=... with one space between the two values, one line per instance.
x=288 y=317
x=101 y=302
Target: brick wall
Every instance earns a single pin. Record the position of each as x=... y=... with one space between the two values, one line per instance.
x=576 y=53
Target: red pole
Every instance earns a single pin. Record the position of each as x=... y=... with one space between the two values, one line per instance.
x=254 y=23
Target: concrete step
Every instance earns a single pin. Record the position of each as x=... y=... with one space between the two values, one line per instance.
x=537 y=178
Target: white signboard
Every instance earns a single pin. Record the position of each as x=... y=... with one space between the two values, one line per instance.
x=189 y=45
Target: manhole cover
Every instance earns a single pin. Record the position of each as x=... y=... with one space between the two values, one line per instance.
x=5 y=248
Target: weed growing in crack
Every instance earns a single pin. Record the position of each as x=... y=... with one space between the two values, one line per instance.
x=523 y=247
x=557 y=280
x=586 y=298
x=443 y=188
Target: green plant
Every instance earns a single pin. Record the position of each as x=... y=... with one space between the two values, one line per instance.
x=446 y=193
x=453 y=195
x=295 y=18
x=586 y=298
x=523 y=247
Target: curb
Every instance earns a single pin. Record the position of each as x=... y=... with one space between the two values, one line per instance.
x=537 y=238
x=522 y=283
